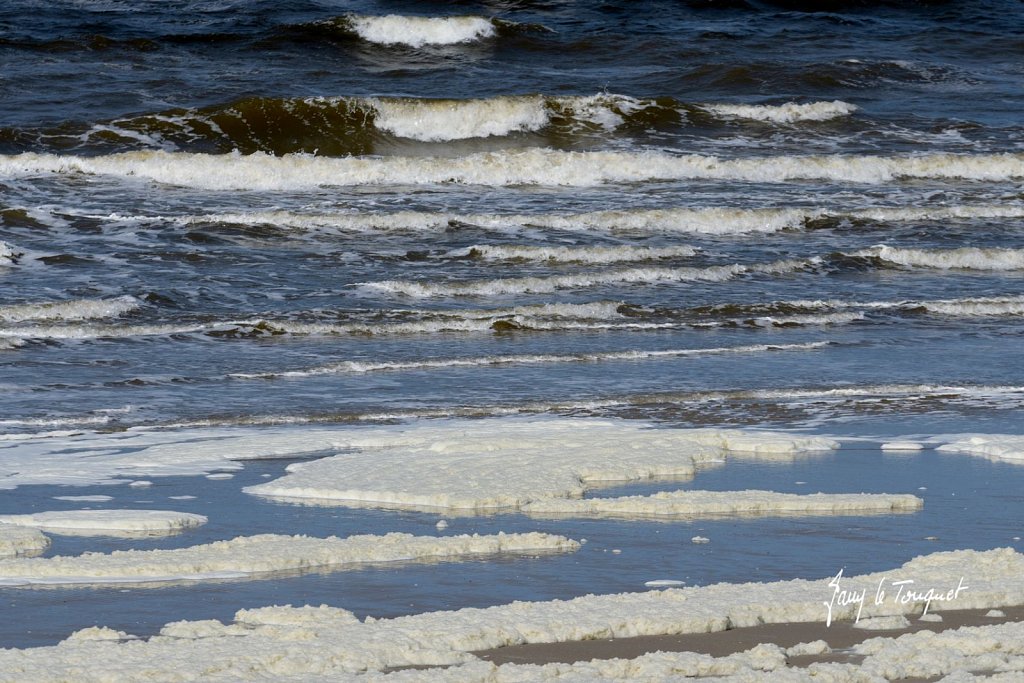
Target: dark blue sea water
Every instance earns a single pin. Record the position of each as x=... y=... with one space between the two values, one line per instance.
x=223 y=214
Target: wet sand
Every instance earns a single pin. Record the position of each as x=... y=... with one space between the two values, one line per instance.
x=840 y=636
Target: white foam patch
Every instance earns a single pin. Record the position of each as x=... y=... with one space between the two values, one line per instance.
x=554 y=283
x=1009 y=447
x=77 y=459
x=510 y=463
x=617 y=254
x=8 y=253
x=85 y=499
x=15 y=540
x=717 y=503
x=967 y=258
x=99 y=633
x=440 y=120
x=312 y=644
x=80 y=309
x=266 y=172
x=345 y=367
x=790 y=112
x=253 y=556
x=126 y=523
x=393 y=29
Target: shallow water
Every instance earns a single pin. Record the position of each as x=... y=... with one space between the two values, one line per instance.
x=250 y=214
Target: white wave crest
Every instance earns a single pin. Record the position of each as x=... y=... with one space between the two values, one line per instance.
x=440 y=120
x=711 y=221
x=994 y=306
x=394 y=29
x=264 y=172
x=617 y=254
x=8 y=253
x=966 y=258
x=606 y=110
x=546 y=285
x=705 y=221
x=939 y=213
x=790 y=112
x=434 y=120
x=528 y=359
x=77 y=309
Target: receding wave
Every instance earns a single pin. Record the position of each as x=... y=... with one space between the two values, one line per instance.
x=526 y=359
x=616 y=254
x=965 y=258
x=539 y=285
x=790 y=112
x=76 y=309
x=263 y=172
x=707 y=405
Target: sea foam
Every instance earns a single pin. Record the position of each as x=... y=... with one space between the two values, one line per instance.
x=313 y=643
x=510 y=463
x=253 y=556
x=125 y=523
x=785 y=113
x=394 y=29
x=264 y=172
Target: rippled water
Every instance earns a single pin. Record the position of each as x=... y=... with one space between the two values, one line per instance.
x=749 y=213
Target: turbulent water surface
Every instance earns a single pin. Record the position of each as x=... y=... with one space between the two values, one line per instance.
x=230 y=214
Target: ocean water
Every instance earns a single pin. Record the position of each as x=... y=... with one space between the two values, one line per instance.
x=284 y=215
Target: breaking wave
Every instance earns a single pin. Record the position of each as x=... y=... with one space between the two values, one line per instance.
x=698 y=221
x=539 y=285
x=338 y=126
x=394 y=29
x=77 y=309
x=965 y=258
x=790 y=112
x=263 y=172
x=712 y=221
x=616 y=254
x=526 y=359
x=549 y=317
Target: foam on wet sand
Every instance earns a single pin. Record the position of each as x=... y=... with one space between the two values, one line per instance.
x=308 y=643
